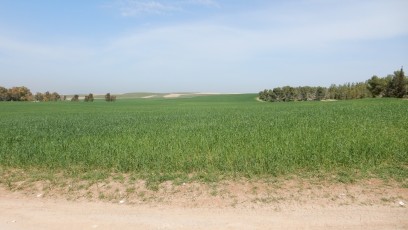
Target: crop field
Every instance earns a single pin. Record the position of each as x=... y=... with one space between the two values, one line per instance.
x=208 y=136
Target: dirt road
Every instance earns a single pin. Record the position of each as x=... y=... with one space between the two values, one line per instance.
x=286 y=204
x=18 y=212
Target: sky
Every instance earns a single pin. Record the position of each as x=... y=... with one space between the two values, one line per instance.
x=224 y=46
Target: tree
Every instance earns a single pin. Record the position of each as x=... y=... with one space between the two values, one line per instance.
x=20 y=94
x=47 y=96
x=288 y=93
x=320 y=93
x=263 y=95
x=391 y=86
x=398 y=84
x=90 y=97
x=55 y=96
x=75 y=98
x=332 y=92
x=279 y=95
x=39 y=96
x=110 y=98
x=4 y=94
x=377 y=86
x=24 y=94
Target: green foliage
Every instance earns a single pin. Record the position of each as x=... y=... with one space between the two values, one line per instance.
x=4 y=96
x=391 y=86
x=47 y=96
x=397 y=87
x=21 y=93
x=377 y=86
x=110 y=98
x=75 y=98
x=212 y=135
x=307 y=93
x=89 y=98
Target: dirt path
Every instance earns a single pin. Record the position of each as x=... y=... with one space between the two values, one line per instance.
x=21 y=212
x=241 y=204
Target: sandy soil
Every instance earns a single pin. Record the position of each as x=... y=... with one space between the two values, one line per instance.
x=289 y=204
x=173 y=95
x=151 y=96
x=20 y=213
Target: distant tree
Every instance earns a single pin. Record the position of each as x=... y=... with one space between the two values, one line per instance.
x=263 y=95
x=20 y=94
x=90 y=97
x=391 y=86
x=55 y=96
x=39 y=96
x=288 y=93
x=398 y=84
x=361 y=90
x=279 y=94
x=4 y=94
x=75 y=98
x=332 y=92
x=110 y=98
x=320 y=93
x=311 y=93
x=64 y=98
x=47 y=96
x=389 y=90
x=377 y=86
x=304 y=93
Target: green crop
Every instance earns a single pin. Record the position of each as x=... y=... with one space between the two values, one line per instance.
x=217 y=135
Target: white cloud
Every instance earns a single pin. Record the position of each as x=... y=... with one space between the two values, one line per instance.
x=273 y=30
x=214 y=50
x=208 y=3
x=216 y=39
x=130 y=8
x=136 y=7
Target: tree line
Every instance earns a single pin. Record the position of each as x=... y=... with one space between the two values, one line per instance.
x=23 y=93
x=15 y=94
x=90 y=98
x=395 y=85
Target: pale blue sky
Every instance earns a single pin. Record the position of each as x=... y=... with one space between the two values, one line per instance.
x=120 y=46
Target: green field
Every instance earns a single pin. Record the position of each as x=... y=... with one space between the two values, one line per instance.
x=223 y=135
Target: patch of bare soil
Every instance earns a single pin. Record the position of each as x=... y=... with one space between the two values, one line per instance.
x=150 y=96
x=258 y=99
x=173 y=95
x=242 y=204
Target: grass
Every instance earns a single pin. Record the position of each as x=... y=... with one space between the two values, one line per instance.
x=207 y=137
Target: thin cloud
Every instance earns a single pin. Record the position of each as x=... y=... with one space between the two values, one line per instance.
x=208 y=3
x=13 y=47
x=219 y=39
x=130 y=8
